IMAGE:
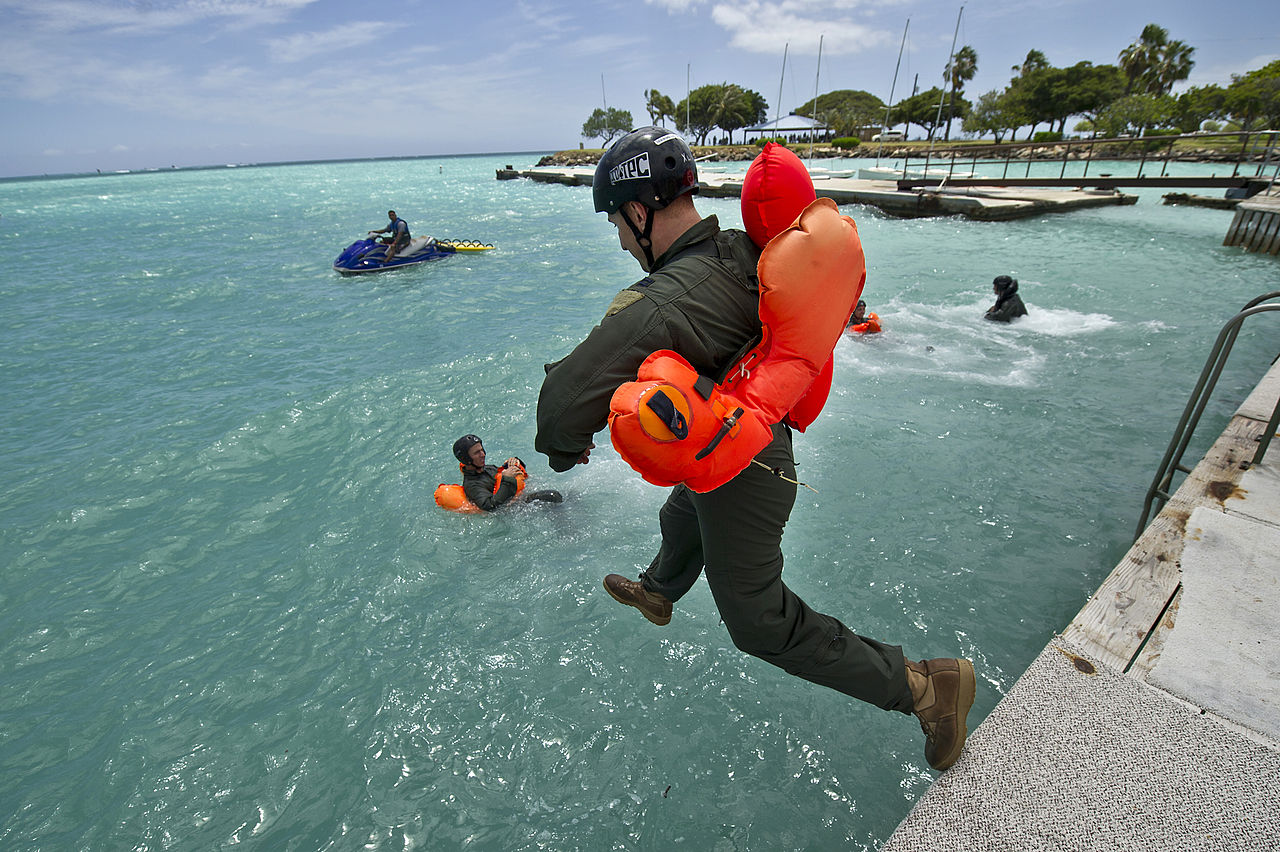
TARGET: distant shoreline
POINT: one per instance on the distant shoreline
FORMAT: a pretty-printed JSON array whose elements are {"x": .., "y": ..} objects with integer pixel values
[
  {"x": 150, "y": 170},
  {"x": 910, "y": 150}
]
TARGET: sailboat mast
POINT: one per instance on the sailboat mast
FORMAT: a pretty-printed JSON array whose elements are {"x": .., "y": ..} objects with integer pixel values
[
  {"x": 951, "y": 57},
  {"x": 781, "y": 77},
  {"x": 814, "y": 117},
  {"x": 688, "y": 75},
  {"x": 894, "y": 85}
]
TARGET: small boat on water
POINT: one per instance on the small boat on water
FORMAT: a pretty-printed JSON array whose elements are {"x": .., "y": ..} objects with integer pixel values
[
  {"x": 369, "y": 255},
  {"x": 887, "y": 173},
  {"x": 819, "y": 173}
]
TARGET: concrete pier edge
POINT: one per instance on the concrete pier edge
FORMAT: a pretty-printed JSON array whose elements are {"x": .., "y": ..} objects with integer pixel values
[
  {"x": 1153, "y": 720},
  {"x": 983, "y": 204}
]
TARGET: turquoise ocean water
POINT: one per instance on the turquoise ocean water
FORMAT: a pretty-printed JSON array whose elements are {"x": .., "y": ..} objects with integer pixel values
[{"x": 231, "y": 614}]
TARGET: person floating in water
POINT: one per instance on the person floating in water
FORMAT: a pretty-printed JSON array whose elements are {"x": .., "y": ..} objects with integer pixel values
[
  {"x": 397, "y": 231},
  {"x": 861, "y": 322},
  {"x": 700, "y": 298},
  {"x": 1008, "y": 303},
  {"x": 489, "y": 486}
]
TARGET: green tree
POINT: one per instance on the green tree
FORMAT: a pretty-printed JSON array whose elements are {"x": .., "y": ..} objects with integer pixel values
[
  {"x": 738, "y": 107},
  {"x": 724, "y": 105},
  {"x": 1136, "y": 113},
  {"x": 846, "y": 111},
  {"x": 607, "y": 124},
  {"x": 659, "y": 106},
  {"x": 960, "y": 70},
  {"x": 696, "y": 114},
  {"x": 1153, "y": 63},
  {"x": 991, "y": 114},
  {"x": 1029, "y": 99},
  {"x": 1035, "y": 61},
  {"x": 923, "y": 109},
  {"x": 1197, "y": 105},
  {"x": 1084, "y": 89},
  {"x": 1253, "y": 99}
]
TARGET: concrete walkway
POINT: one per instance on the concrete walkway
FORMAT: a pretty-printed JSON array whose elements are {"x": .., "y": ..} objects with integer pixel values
[
  {"x": 1153, "y": 721},
  {"x": 985, "y": 203}
]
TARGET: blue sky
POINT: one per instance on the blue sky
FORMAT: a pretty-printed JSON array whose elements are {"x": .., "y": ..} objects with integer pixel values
[{"x": 107, "y": 84}]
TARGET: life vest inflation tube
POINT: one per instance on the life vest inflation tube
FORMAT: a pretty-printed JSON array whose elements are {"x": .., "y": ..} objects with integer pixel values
[
  {"x": 673, "y": 425},
  {"x": 454, "y": 498}
]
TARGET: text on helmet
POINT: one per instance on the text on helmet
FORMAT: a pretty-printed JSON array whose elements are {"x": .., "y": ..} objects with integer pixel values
[{"x": 636, "y": 167}]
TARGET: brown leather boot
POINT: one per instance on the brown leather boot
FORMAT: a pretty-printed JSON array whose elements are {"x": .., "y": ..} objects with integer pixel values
[
  {"x": 943, "y": 693},
  {"x": 652, "y": 605}
]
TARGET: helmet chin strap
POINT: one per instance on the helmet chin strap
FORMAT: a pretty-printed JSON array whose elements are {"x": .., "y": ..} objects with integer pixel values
[{"x": 643, "y": 238}]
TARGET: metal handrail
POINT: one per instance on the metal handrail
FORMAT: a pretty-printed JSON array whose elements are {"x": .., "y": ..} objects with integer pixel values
[
  {"x": 1161, "y": 485},
  {"x": 1264, "y": 143}
]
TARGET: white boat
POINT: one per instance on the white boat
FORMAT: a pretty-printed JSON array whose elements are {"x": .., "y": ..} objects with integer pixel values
[
  {"x": 819, "y": 173},
  {"x": 886, "y": 173}
]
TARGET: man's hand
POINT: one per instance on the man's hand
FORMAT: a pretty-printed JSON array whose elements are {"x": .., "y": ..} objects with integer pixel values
[{"x": 586, "y": 454}]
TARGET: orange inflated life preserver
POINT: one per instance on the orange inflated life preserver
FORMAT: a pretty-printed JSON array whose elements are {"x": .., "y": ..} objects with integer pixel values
[
  {"x": 673, "y": 425},
  {"x": 776, "y": 189},
  {"x": 871, "y": 326},
  {"x": 454, "y": 498}
]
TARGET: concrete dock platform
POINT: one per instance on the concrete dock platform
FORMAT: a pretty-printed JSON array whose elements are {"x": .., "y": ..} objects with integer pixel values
[
  {"x": 981, "y": 203},
  {"x": 1153, "y": 720}
]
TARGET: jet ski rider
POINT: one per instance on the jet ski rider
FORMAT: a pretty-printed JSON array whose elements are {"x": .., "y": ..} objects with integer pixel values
[{"x": 399, "y": 234}]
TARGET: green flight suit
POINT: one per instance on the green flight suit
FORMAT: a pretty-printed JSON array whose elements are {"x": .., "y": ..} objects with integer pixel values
[{"x": 701, "y": 299}]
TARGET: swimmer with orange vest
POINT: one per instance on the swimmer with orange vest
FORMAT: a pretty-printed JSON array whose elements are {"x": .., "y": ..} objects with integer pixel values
[
  {"x": 485, "y": 487},
  {"x": 701, "y": 370},
  {"x": 860, "y": 322}
]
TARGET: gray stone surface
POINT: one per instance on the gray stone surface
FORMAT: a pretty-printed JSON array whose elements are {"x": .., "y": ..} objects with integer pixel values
[{"x": 1077, "y": 761}]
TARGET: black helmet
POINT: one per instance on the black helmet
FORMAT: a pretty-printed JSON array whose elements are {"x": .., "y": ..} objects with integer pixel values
[
  {"x": 651, "y": 165},
  {"x": 1004, "y": 282},
  {"x": 463, "y": 445}
]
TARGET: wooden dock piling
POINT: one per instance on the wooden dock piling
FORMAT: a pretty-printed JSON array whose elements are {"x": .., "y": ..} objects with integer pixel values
[{"x": 1256, "y": 225}]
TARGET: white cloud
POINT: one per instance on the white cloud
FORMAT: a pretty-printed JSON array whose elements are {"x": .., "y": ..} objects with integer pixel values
[
  {"x": 675, "y": 5},
  {"x": 765, "y": 27},
  {"x": 155, "y": 16},
  {"x": 300, "y": 46}
]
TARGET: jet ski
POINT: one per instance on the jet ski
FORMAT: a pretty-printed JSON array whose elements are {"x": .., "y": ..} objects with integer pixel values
[{"x": 369, "y": 255}]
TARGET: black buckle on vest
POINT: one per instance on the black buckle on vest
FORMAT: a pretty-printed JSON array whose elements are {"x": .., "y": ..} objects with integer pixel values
[{"x": 660, "y": 404}]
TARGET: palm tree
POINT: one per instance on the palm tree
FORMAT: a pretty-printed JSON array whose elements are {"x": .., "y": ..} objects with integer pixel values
[
  {"x": 1153, "y": 64},
  {"x": 1137, "y": 58},
  {"x": 1035, "y": 61},
  {"x": 960, "y": 70},
  {"x": 659, "y": 106},
  {"x": 1173, "y": 66}
]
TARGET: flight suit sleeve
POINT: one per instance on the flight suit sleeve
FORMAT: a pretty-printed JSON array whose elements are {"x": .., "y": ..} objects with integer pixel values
[
  {"x": 574, "y": 402},
  {"x": 479, "y": 490}
]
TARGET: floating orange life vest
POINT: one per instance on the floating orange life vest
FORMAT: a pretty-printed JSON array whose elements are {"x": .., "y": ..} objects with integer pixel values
[
  {"x": 454, "y": 498},
  {"x": 672, "y": 425},
  {"x": 870, "y": 325}
]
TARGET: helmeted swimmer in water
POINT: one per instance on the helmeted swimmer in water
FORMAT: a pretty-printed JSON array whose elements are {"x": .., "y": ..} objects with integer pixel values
[
  {"x": 862, "y": 322},
  {"x": 1008, "y": 303},
  {"x": 488, "y": 486}
]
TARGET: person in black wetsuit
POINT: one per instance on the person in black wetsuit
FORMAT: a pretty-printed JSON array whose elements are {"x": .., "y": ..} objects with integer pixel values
[
  {"x": 480, "y": 481},
  {"x": 1008, "y": 303}
]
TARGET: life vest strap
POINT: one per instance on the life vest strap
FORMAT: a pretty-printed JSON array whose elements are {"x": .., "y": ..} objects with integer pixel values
[{"x": 726, "y": 427}]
